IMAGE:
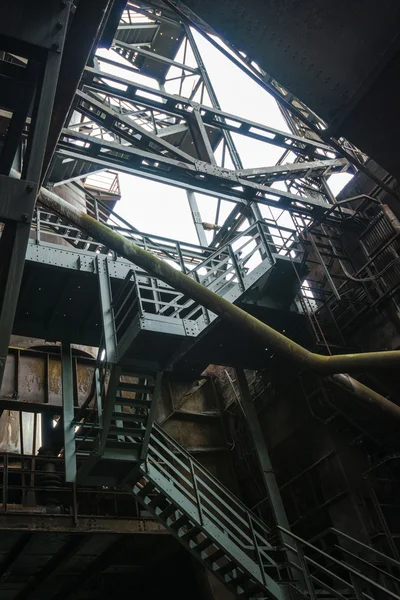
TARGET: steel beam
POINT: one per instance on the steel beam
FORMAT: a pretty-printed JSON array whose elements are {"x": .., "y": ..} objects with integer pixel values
[
  {"x": 84, "y": 31},
  {"x": 107, "y": 312},
  {"x": 286, "y": 100},
  {"x": 124, "y": 127},
  {"x": 200, "y": 137},
  {"x": 68, "y": 411},
  {"x": 153, "y": 56},
  {"x": 65, "y": 524},
  {"x": 19, "y": 116},
  {"x": 213, "y": 116},
  {"x": 317, "y": 168},
  {"x": 196, "y": 216},
  {"x": 202, "y": 177}
]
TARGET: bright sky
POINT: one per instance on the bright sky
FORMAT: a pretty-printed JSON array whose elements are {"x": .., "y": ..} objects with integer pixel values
[{"x": 163, "y": 210}]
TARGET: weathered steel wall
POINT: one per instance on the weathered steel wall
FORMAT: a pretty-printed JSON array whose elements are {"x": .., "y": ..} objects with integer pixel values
[
  {"x": 34, "y": 376},
  {"x": 340, "y": 58}
]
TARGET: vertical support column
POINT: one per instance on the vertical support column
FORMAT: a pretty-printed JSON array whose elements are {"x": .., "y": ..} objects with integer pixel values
[
  {"x": 68, "y": 412},
  {"x": 271, "y": 485},
  {"x": 268, "y": 475},
  {"x": 14, "y": 240},
  {"x": 12, "y": 251},
  {"x": 107, "y": 313},
  {"x": 194, "y": 209}
]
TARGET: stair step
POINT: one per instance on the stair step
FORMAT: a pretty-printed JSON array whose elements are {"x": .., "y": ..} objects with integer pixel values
[
  {"x": 142, "y": 388},
  {"x": 132, "y": 432},
  {"x": 180, "y": 522},
  {"x": 203, "y": 545},
  {"x": 131, "y": 417},
  {"x": 240, "y": 579},
  {"x": 189, "y": 535},
  {"x": 250, "y": 587},
  {"x": 168, "y": 511},
  {"x": 227, "y": 568},
  {"x": 88, "y": 426},
  {"x": 140, "y": 373},
  {"x": 116, "y": 445},
  {"x": 134, "y": 402},
  {"x": 155, "y": 501},
  {"x": 212, "y": 558},
  {"x": 146, "y": 490}
]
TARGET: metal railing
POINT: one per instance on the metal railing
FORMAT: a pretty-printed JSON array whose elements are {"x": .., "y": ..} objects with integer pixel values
[
  {"x": 324, "y": 571},
  {"x": 35, "y": 484},
  {"x": 332, "y": 301},
  {"x": 103, "y": 182},
  {"x": 347, "y": 567},
  {"x": 216, "y": 507}
]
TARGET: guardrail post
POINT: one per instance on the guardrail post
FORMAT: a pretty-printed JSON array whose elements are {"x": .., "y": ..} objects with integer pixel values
[
  {"x": 306, "y": 573},
  {"x": 256, "y": 548},
  {"x": 196, "y": 492},
  {"x": 107, "y": 314},
  {"x": 236, "y": 267}
]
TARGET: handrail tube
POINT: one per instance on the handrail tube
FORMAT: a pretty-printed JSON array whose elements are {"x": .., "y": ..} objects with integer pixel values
[
  {"x": 384, "y": 557},
  {"x": 340, "y": 563},
  {"x": 370, "y": 565},
  {"x": 327, "y": 572},
  {"x": 157, "y": 430},
  {"x": 327, "y": 365}
]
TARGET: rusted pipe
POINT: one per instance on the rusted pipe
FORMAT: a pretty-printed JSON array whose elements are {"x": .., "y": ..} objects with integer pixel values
[
  {"x": 326, "y": 365},
  {"x": 367, "y": 396}
]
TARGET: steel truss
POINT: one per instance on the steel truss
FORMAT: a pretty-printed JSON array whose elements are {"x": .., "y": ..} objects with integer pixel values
[{"x": 185, "y": 139}]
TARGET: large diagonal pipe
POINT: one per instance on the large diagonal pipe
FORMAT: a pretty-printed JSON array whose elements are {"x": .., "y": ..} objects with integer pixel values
[{"x": 325, "y": 365}]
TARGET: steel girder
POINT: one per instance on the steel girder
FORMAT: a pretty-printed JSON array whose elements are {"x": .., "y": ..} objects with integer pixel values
[
  {"x": 200, "y": 176},
  {"x": 183, "y": 107}
]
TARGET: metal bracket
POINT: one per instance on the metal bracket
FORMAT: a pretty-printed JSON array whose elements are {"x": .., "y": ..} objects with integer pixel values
[{"x": 17, "y": 199}]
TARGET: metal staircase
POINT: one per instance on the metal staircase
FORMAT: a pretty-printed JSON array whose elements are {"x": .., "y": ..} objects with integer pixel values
[
  {"x": 113, "y": 435},
  {"x": 230, "y": 541}
]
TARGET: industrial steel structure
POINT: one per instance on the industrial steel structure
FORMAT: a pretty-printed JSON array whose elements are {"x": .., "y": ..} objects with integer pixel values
[{"x": 224, "y": 413}]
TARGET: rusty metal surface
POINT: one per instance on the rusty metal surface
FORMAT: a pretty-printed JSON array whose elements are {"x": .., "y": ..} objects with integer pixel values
[
  {"x": 35, "y": 376},
  {"x": 66, "y": 524}
]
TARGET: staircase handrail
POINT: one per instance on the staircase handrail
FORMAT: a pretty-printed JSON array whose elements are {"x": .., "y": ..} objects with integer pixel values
[{"x": 354, "y": 575}]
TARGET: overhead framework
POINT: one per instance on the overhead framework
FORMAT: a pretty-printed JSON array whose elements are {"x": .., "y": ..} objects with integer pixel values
[
  {"x": 321, "y": 91},
  {"x": 179, "y": 135},
  {"x": 297, "y": 270}
]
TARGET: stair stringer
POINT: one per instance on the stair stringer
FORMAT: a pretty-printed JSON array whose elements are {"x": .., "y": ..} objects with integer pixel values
[{"x": 258, "y": 582}]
